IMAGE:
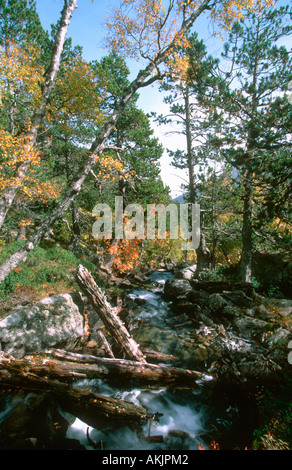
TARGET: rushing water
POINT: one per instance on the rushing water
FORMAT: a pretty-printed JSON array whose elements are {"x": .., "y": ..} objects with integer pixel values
[
  {"x": 188, "y": 418},
  {"x": 182, "y": 420},
  {"x": 179, "y": 426}
]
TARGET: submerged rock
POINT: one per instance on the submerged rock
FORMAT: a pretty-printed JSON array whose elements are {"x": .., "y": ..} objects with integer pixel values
[{"x": 33, "y": 422}]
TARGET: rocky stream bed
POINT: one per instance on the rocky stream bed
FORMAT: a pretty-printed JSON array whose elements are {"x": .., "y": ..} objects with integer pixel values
[{"x": 232, "y": 337}]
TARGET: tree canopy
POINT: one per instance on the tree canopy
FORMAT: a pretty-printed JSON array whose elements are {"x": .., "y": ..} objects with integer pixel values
[{"x": 72, "y": 134}]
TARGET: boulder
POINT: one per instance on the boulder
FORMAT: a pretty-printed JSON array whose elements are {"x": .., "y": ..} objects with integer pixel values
[
  {"x": 250, "y": 328},
  {"x": 280, "y": 337},
  {"x": 238, "y": 297},
  {"x": 219, "y": 307},
  {"x": 225, "y": 286},
  {"x": 187, "y": 273},
  {"x": 239, "y": 328},
  {"x": 282, "y": 306},
  {"x": 177, "y": 288},
  {"x": 56, "y": 321}
]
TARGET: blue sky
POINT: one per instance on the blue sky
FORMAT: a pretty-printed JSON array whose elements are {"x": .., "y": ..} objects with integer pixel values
[
  {"x": 86, "y": 27},
  {"x": 87, "y": 30}
]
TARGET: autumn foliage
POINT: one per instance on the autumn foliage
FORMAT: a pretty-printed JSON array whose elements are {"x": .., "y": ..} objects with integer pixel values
[{"x": 70, "y": 131}]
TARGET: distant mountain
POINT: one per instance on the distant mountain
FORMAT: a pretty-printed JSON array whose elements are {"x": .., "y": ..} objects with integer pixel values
[{"x": 179, "y": 199}]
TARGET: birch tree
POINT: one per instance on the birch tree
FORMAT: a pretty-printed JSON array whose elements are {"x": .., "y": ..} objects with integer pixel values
[
  {"x": 148, "y": 30},
  {"x": 9, "y": 193}
]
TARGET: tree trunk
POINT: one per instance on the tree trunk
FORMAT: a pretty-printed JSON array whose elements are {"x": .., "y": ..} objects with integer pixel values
[
  {"x": 152, "y": 357},
  {"x": 76, "y": 230},
  {"x": 246, "y": 254},
  {"x": 107, "y": 348},
  {"x": 203, "y": 252},
  {"x": 190, "y": 155},
  {"x": 222, "y": 286},
  {"x": 9, "y": 194},
  {"x": 94, "y": 409},
  {"x": 70, "y": 366},
  {"x": 142, "y": 80},
  {"x": 112, "y": 322},
  {"x": 214, "y": 231},
  {"x": 252, "y": 136}
]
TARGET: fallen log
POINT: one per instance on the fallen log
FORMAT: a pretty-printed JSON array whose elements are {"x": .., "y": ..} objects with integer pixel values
[
  {"x": 94, "y": 409},
  {"x": 124, "y": 371},
  {"x": 68, "y": 367},
  {"x": 156, "y": 357},
  {"x": 112, "y": 322},
  {"x": 106, "y": 345},
  {"x": 153, "y": 357}
]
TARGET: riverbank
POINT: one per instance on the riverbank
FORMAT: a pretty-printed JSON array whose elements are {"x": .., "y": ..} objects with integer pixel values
[{"x": 227, "y": 334}]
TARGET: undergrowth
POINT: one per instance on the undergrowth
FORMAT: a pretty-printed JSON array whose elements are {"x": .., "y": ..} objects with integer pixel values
[
  {"x": 46, "y": 269},
  {"x": 276, "y": 431}
]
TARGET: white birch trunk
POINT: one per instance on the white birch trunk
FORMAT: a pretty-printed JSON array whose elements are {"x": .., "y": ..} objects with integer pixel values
[
  {"x": 10, "y": 193},
  {"x": 144, "y": 78}
]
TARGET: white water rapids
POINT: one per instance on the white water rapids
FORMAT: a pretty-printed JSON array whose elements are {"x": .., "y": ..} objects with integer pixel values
[
  {"x": 186, "y": 420},
  {"x": 182, "y": 419}
]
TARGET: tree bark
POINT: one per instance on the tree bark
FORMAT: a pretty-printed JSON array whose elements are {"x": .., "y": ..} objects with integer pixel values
[
  {"x": 247, "y": 244},
  {"x": 69, "y": 366},
  {"x": 202, "y": 252},
  {"x": 94, "y": 409},
  {"x": 112, "y": 322},
  {"x": 142, "y": 80},
  {"x": 10, "y": 193},
  {"x": 152, "y": 357},
  {"x": 190, "y": 152},
  {"x": 106, "y": 345},
  {"x": 155, "y": 357},
  {"x": 56, "y": 377},
  {"x": 222, "y": 286}
]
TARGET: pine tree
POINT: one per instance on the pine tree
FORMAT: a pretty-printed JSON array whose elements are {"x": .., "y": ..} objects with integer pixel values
[
  {"x": 187, "y": 104},
  {"x": 19, "y": 22},
  {"x": 169, "y": 26},
  {"x": 139, "y": 151},
  {"x": 259, "y": 118}
]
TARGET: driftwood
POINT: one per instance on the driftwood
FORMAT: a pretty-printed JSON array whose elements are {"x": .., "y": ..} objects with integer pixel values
[
  {"x": 155, "y": 357},
  {"x": 152, "y": 357},
  {"x": 56, "y": 371},
  {"x": 94, "y": 409},
  {"x": 57, "y": 377},
  {"x": 135, "y": 368},
  {"x": 119, "y": 371},
  {"x": 107, "y": 348},
  {"x": 68, "y": 367},
  {"x": 112, "y": 322}
]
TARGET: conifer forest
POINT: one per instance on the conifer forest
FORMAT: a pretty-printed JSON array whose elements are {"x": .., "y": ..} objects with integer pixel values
[{"x": 99, "y": 280}]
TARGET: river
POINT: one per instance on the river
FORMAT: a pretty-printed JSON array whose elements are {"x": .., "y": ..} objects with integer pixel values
[{"x": 186, "y": 420}]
